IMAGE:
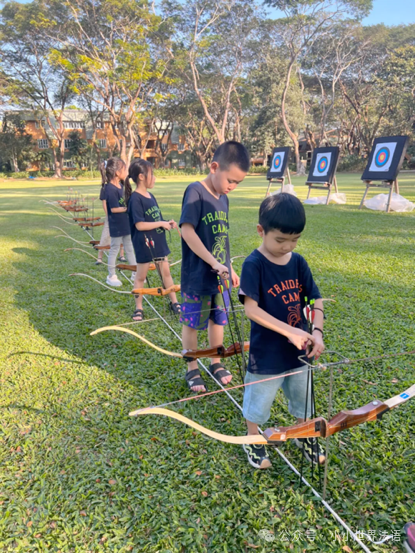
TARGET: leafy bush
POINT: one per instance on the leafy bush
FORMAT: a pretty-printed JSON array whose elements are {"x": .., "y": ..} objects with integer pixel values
[
  {"x": 258, "y": 169},
  {"x": 172, "y": 172},
  {"x": 351, "y": 163},
  {"x": 410, "y": 164}
]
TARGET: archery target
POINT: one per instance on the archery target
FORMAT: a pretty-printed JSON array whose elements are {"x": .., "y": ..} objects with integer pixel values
[
  {"x": 277, "y": 161},
  {"x": 382, "y": 157},
  {"x": 322, "y": 164}
]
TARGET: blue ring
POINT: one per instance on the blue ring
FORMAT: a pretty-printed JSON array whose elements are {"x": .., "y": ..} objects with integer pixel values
[
  {"x": 277, "y": 158},
  {"x": 387, "y": 153},
  {"x": 319, "y": 169}
]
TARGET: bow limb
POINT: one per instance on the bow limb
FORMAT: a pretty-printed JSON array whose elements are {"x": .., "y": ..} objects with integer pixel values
[
  {"x": 128, "y": 331},
  {"x": 70, "y": 237},
  {"x": 81, "y": 250},
  {"x": 100, "y": 283},
  {"x": 64, "y": 217},
  {"x": 253, "y": 439},
  {"x": 175, "y": 263}
]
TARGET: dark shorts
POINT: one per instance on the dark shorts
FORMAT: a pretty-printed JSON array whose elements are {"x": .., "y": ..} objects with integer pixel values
[{"x": 196, "y": 311}]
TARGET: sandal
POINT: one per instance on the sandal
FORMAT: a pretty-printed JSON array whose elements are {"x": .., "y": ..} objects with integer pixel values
[
  {"x": 176, "y": 308},
  {"x": 140, "y": 314},
  {"x": 122, "y": 258},
  {"x": 193, "y": 378},
  {"x": 218, "y": 371}
]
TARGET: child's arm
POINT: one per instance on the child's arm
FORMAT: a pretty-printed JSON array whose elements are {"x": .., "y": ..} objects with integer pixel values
[
  {"x": 196, "y": 245},
  {"x": 298, "y": 337},
  {"x": 142, "y": 226},
  {"x": 118, "y": 210}
]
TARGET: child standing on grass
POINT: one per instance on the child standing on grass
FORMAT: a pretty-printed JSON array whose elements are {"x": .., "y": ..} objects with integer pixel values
[
  {"x": 105, "y": 235},
  {"x": 205, "y": 255},
  {"x": 148, "y": 232},
  {"x": 119, "y": 225},
  {"x": 274, "y": 283}
]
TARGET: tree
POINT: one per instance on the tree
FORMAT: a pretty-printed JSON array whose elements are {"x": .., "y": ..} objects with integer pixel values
[
  {"x": 78, "y": 148},
  {"x": 25, "y": 52},
  {"x": 16, "y": 145},
  {"x": 306, "y": 22},
  {"x": 111, "y": 52},
  {"x": 212, "y": 51}
]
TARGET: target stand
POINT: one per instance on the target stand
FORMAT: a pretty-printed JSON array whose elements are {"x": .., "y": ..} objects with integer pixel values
[
  {"x": 278, "y": 170},
  {"x": 385, "y": 162},
  {"x": 322, "y": 174}
]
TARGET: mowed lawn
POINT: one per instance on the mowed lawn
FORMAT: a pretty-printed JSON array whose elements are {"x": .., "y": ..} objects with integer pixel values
[{"x": 78, "y": 475}]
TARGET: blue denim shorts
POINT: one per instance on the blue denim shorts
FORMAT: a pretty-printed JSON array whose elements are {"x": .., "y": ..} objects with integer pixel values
[{"x": 258, "y": 398}]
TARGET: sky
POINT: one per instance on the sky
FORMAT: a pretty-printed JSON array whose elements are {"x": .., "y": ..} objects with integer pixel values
[{"x": 389, "y": 12}]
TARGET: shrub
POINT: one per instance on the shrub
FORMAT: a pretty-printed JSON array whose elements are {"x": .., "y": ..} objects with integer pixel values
[
  {"x": 173, "y": 172},
  {"x": 351, "y": 163},
  {"x": 258, "y": 169}
]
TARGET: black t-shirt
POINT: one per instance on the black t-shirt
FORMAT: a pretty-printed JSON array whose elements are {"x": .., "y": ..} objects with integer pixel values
[
  {"x": 118, "y": 222},
  {"x": 102, "y": 193},
  {"x": 280, "y": 291},
  {"x": 142, "y": 209},
  {"x": 209, "y": 217}
]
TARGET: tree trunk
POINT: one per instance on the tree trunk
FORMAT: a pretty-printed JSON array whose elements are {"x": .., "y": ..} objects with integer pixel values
[
  {"x": 300, "y": 167},
  {"x": 57, "y": 161},
  {"x": 15, "y": 164}
]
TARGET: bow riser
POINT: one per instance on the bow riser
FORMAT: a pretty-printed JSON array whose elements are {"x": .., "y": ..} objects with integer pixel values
[
  {"x": 75, "y": 209},
  {"x": 347, "y": 419},
  {"x": 90, "y": 225},
  {"x": 219, "y": 351},
  {"x": 314, "y": 428},
  {"x": 133, "y": 268},
  {"x": 156, "y": 291}
]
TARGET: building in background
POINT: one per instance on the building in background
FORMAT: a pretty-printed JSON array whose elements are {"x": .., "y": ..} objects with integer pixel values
[{"x": 158, "y": 147}]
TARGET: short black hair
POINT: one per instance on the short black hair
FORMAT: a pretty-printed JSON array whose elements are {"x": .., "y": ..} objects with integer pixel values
[
  {"x": 283, "y": 212},
  {"x": 232, "y": 153}
]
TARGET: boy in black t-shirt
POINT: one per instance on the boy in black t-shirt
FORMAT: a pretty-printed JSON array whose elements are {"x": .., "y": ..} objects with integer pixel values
[
  {"x": 274, "y": 283},
  {"x": 205, "y": 255}
]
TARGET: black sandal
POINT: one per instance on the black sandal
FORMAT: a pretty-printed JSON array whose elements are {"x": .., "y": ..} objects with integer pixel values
[
  {"x": 176, "y": 308},
  {"x": 140, "y": 314},
  {"x": 218, "y": 371},
  {"x": 193, "y": 378}
]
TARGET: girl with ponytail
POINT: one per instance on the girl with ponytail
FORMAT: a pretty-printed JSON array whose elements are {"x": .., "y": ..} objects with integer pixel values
[
  {"x": 105, "y": 235},
  {"x": 148, "y": 231},
  {"x": 119, "y": 225}
]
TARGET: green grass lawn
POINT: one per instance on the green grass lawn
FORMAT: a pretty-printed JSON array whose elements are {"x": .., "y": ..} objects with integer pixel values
[{"x": 78, "y": 475}]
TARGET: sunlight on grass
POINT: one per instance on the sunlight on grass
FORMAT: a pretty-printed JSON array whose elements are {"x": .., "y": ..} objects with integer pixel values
[{"x": 77, "y": 474}]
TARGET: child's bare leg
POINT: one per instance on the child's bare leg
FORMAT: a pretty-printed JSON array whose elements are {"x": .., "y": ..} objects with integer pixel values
[
  {"x": 252, "y": 427},
  {"x": 189, "y": 340},
  {"x": 140, "y": 276},
  {"x": 167, "y": 278},
  {"x": 215, "y": 334}
]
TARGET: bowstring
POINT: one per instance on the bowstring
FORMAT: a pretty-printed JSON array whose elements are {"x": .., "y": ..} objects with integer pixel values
[
  {"x": 292, "y": 467},
  {"x": 221, "y": 290}
]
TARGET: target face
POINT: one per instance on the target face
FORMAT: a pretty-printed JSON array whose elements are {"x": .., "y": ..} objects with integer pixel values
[
  {"x": 277, "y": 162},
  {"x": 322, "y": 165},
  {"x": 382, "y": 157}
]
